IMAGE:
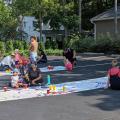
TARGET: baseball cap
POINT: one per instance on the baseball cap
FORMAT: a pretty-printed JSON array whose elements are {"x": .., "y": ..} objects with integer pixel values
[
  {"x": 16, "y": 70},
  {"x": 12, "y": 54}
]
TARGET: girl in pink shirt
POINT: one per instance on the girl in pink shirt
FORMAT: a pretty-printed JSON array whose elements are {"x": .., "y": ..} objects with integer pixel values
[
  {"x": 68, "y": 65},
  {"x": 114, "y": 76}
]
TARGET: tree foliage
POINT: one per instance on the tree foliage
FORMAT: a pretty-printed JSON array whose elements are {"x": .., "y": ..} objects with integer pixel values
[
  {"x": 8, "y": 22},
  {"x": 57, "y": 12}
]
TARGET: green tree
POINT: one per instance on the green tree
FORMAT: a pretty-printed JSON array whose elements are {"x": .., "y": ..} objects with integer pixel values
[
  {"x": 8, "y": 22},
  {"x": 63, "y": 13},
  {"x": 38, "y": 8},
  {"x": 91, "y": 8}
]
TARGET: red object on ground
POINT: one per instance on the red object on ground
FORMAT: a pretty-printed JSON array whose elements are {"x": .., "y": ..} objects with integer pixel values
[
  {"x": 5, "y": 89},
  {"x": 25, "y": 86},
  {"x": 50, "y": 67},
  {"x": 16, "y": 87},
  {"x": 48, "y": 91}
]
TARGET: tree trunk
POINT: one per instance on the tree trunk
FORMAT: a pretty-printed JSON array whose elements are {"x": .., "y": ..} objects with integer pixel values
[
  {"x": 21, "y": 26},
  {"x": 66, "y": 33},
  {"x": 65, "y": 27},
  {"x": 40, "y": 22},
  {"x": 116, "y": 19},
  {"x": 80, "y": 15}
]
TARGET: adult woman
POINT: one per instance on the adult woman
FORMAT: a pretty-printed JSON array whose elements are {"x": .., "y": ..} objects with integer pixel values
[
  {"x": 33, "y": 49},
  {"x": 70, "y": 54},
  {"x": 34, "y": 75}
]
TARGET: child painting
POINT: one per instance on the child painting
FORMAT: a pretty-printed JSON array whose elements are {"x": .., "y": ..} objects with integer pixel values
[
  {"x": 15, "y": 79},
  {"x": 68, "y": 65}
]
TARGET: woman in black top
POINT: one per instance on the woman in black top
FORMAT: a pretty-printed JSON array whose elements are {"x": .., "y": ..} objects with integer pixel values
[
  {"x": 34, "y": 75},
  {"x": 42, "y": 57}
]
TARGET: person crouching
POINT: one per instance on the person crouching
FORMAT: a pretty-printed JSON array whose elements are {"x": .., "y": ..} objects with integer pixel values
[{"x": 34, "y": 76}]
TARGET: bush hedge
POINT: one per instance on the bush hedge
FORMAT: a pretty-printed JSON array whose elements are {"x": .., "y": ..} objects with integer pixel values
[
  {"x": 104, "y": 44},
  {"x": 55, "y": 52},
  {"x": 8, "y": 47}
]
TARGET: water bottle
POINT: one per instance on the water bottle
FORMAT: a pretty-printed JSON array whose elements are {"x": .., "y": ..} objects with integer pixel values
[{"x": 48, "y": 80}]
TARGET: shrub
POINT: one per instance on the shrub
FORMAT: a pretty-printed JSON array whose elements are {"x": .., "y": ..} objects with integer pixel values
[
  {"x": 56, "y": 52},
  {"x": 80, "y": 44},
  {"x": 17, "y": 44},
  {"x": 26, "y": 45},
  {"x": 51, "y": 44},
  {"x": 9, "y": 46},
  {"x": 102, "y": 44},
  {"x": 41, "y": 46},
  {"x": 2, "y": 47}
]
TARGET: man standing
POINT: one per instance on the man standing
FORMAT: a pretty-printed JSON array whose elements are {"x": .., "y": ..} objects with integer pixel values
[{"x": 33, "y": 49}]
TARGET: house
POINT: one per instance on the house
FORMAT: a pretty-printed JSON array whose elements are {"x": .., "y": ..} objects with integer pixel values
[
  {"x": 28, "y": 27},
  {"x": 8, "y": 2},
  {"x": 104, "y": 23}
]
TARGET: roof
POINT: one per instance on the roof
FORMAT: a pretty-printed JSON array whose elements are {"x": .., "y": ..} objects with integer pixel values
[{"x": 107, "y": 15}]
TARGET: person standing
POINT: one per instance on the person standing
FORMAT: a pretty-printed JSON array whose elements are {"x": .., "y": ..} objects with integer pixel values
[{"x": 33, "y": 49}]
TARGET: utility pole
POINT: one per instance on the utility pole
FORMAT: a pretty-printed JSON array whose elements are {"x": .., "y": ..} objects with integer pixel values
[
  {"x": 80, "y": 15},
  {"x": 115, "y": 19}
]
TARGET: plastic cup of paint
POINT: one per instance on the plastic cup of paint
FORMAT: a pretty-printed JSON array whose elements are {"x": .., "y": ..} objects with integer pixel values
[
  {"x": 54, "y": 88},
  {"x": 64, "y": 88},
  {"x": 25, "y": 86},
  {"x": 50, "y": 87},
  {"x": 48, "y": 91},
  {"x": 49, "y": 67}
]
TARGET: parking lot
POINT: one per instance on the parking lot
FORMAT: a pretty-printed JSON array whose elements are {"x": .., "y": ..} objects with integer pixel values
[{"x": 98, "y": 104}]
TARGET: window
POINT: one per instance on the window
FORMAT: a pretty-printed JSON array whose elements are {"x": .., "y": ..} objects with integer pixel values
[
  {"x": 34, "y": 23},
  {"x": 24, "y": 24}
]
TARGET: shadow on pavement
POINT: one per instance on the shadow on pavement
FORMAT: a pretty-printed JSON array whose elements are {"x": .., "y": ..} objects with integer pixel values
[{"x": 106, "y": 100}]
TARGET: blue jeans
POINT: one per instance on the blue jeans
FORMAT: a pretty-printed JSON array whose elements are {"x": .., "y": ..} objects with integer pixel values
[{"x": 33, "y": 57}]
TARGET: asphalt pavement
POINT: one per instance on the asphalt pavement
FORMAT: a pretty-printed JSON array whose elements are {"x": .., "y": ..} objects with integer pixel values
[{"x": 98, "y": 104}]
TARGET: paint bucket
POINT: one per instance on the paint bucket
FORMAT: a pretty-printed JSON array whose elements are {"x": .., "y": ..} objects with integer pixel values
[
  {"x": 25, "y": 86},
  {"x": 48, "y": 80},
  {"x": 48, "y": 91},
  {"x": 54, "y": 87},
  {"x": 64, "y": 88}
]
